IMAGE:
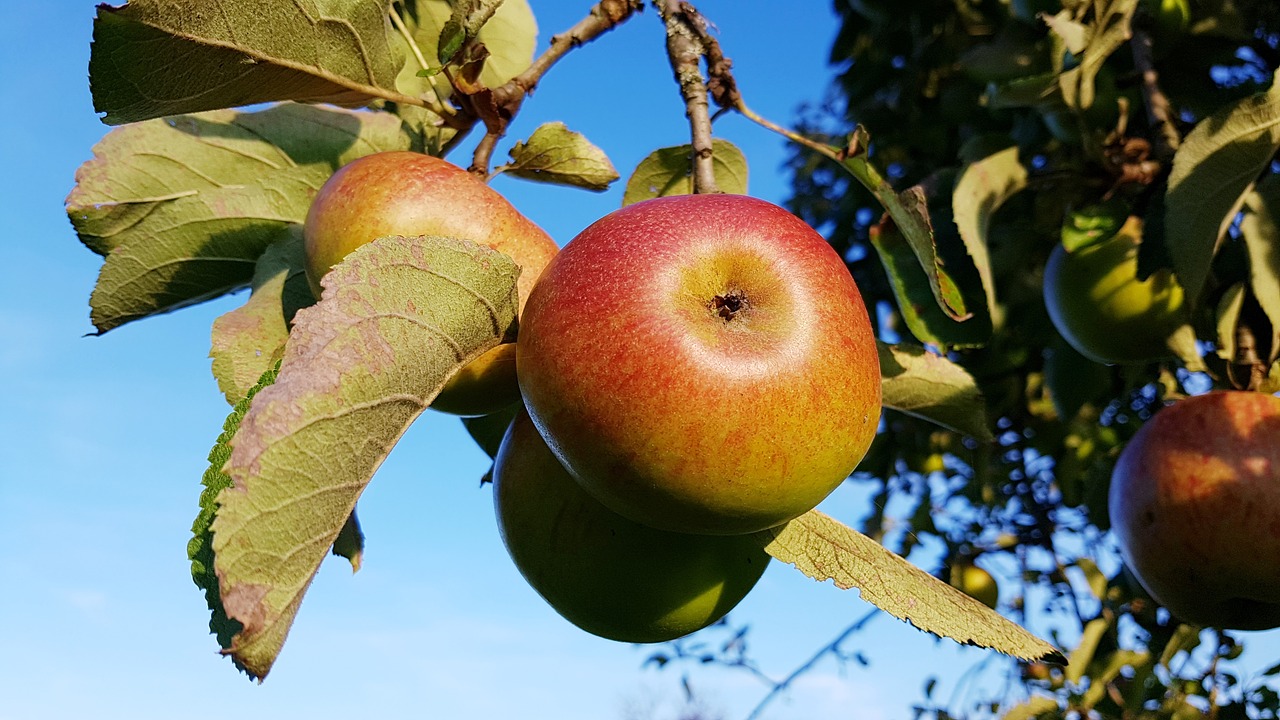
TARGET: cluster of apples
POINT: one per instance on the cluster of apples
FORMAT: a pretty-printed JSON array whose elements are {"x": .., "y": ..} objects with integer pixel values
[{"x": 693, "y": 370}]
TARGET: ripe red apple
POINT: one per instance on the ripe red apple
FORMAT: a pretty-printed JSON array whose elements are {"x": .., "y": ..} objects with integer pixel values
[
  {"x": 1103, "y": 310},
  {"x": 1195, "y": 505},
  {"x": 701, "y": 363},
  {"x": 408, "y": 193},
  {"x": 607, "y": 575}
]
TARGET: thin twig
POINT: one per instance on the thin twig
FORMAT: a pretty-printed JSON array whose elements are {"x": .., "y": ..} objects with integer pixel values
[
  {"x": 830, "y": 648},
  {"x": 685, "y": 51},
  {"x": 502, "y": 103},
  {"x": 1159, "y": 110}
]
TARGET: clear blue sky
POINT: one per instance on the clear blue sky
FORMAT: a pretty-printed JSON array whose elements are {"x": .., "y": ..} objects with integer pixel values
[{"x": 104, "y": 442}]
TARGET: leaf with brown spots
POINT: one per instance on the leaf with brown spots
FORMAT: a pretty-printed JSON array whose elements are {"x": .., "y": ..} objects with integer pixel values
[
  {"x": 825, "y": 549},
  {"x": 398, "y": 318}
]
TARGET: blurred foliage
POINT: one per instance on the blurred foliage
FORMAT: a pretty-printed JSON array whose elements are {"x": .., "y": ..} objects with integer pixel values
[{"x": 940, "y": 84}]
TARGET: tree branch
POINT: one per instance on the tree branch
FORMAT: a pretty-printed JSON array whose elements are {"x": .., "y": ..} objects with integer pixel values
[
  {"x": 832, "y": 647},
  {"x": 1165, "y": 140},
  {"x": 685, "y": 50},
  {"x": 498, "y": 106}
]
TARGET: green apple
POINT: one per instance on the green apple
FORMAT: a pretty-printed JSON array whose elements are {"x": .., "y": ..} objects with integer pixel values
[
  {"x": 701, "y": 364},
  {"x": 1195, "y": 505},
  {"x": 408, "y": 193},
  {"x": 607, "y": 575},
  {"x": 1103, "y": 310}
]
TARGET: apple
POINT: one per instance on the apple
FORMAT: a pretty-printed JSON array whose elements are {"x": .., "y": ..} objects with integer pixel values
[
  {"x": 1195, "y": 506},
  {"x": 1103, "y": 310},
  {"x": 607, "y": 575},
  {"x": 408, "y": 193},
  {"x": 701, "y": 364},
  {"x": 976, "y": 583}
]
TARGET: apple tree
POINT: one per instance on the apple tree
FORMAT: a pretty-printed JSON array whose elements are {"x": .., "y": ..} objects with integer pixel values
[{"x": 1061, "y": 214}]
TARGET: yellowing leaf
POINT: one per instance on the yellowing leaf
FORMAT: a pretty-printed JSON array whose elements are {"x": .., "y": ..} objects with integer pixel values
[
  {"x": 399, "y": 316},
  {"x": 668, "y": 171},
  {"x": 1260, "y": 229},
  {"x": 824, "y": 549},
  {"x": 556, "y": 154},
  {"x": 929, "y": 386},
  {"x": 248, "y": 340},
  {"x": 1214, "y": 167},
  {"x": 152, "y": 58}
]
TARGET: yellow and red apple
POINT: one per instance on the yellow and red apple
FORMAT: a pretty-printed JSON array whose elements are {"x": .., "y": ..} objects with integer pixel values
[
  {"x": 701, "y": 364},
  {"x": 408, "y": 193}
]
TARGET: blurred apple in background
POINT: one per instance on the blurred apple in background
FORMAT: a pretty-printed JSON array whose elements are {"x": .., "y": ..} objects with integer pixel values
[{"x": 1195, "y": 506}]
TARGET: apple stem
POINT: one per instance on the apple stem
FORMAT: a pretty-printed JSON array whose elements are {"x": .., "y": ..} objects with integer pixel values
[{"x": 686, "y": 29}]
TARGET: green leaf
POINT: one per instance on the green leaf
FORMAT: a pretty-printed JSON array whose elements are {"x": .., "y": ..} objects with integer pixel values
[
  {"x": 1214, "y": 167},
  {"x": 511, "y": 36},
  {"x": 1227, "y": 316},
  {"x": 1093, "y": 576},
  {"x": 152, "y": 58},
  {"x": 183, "y": 206},
  {"x": 1186, "y": 637},
  {"x": 1260, "y": 229},
  {"x": 1093, "y": 224},
  {"x": 825, "y": 549},
  {"x": 249, "y": 339},
  {"x": 929, "y": 386},
  {"x": 1116, "y": 662},
  {"x": 399, "y": 316},
  {"x": 200, "y": 547},
  {"x": 1073, "y": 379},
  {"x": 982, "y": 188},
  {"x": 556, "y": 154},
  {"x": 667, "y": 171},
  {"x": 1106, "y": 33},
  {"x": 350, "y": 542},
  {"x": 922, "y": 294}
]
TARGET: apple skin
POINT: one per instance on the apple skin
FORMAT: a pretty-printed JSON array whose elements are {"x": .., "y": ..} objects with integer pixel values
[
  {"x": 408, "y": 193},
  {"x": 607, "y": 575},
  {"x": 1102, "y": 309},
  {"x": 701, "y": 364},
  {"x": 1195, "y": 506}
]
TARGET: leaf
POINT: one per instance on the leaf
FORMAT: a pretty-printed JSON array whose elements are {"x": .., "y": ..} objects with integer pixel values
[
  {"x": 1227, "y": 316},
  {"x": 556, "y": 154},
  {"x": 1082, "y": 656},
  {"x": 350, "y": 542},
  {"x": 1093, "y": 576},
  {"x": 1031, "y": 708},
  {"x": 399, "y": 316},
  {"x": 1186, "y": 637},
  {"x": 931, "y": 387},
  {"x": 1116, "y": 663},
  {"x": 200, "y": 547},
  {"x": 511, "y": 36},
  {"x": 249, "y": 339},
  {"x": 908, "y": 220},
  {"x": 1260, "y": 229},
  {"x": 824, "y": 549},
  {"x": 667, "y": 172},
  {"x": 1073, "y": 379},
  {"x": 982, "y": 188},
  {"x": 152, "y": 58},
  {"x": 1107, "y": 33},
  {"x": 183, "y": 206},
  {"x": 1214, "y": 167}
]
